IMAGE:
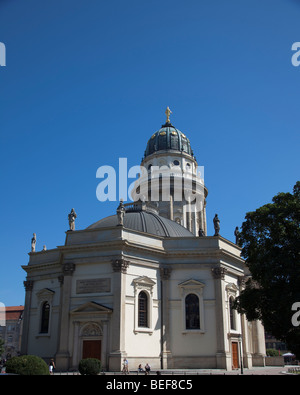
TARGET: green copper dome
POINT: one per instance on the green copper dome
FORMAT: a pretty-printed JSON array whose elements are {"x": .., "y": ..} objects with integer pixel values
[{"x": 168, "y": 138}]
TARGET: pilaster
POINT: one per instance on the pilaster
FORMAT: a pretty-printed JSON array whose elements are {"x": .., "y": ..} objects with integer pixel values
[
  {"x": 28, "y": 294},
  {"x": 118, "y": 317},
  {"x": 166, "y": 355},
  {"x": 258, "y": 357},
  {"x": 247, "y": 359},
  {"x": 223, "y": 356},
  {"x": 63, "y": 355}
]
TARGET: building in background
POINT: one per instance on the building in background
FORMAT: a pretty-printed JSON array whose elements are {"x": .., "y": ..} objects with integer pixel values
[
  {"x": 273, "y": 343},
  {"x": 11, "y": 333}
]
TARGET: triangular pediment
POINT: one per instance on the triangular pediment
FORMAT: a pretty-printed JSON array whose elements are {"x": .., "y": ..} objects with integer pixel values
[
  {"x": 144, "y": 280},
  {"x": 91, "y": 307},
  {"x": 191, "y": 283},
  {"x": 231, "y": 287},
  {"x": 45, "y": 294}
]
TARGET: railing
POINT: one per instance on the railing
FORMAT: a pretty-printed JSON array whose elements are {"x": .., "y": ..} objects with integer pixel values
[
  {"x": 133, "y": 207},
  {"x": 140, "y": 206}
]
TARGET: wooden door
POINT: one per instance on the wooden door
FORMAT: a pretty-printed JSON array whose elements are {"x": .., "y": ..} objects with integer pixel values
[
  {"x": 91, "y": 349},
  {"x": 235, "y": 355}
]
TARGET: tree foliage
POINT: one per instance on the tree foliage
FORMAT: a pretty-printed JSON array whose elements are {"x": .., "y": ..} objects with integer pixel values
[
  {"x": 27, "y": 365},
  {"x": 270, "y": 241},
  {"x": 89, "y": 366}
]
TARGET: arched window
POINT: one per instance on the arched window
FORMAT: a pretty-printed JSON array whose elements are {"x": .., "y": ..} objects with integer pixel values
[
  {"x": 143, "y": 310},
  {"x": 192, "y": 315},
  {"x": 45, "y": 317},
  {"x": 232, "y": 314}
]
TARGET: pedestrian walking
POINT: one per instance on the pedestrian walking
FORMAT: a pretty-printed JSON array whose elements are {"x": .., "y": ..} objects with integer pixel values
[{"x": 125, "y": 369}]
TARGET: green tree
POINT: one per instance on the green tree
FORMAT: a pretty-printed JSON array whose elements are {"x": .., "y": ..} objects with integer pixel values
[
  {"x": 272, "y": 353},
  {"x": 270, "y": 241},
  {"x": 27, "y": 365},
  {"x": 89, "y": 366}
]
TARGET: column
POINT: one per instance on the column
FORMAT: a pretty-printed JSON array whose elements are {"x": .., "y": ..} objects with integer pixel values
[
  {"x": 166, "y": 355},
  {"x": 184, "y": 221},
  {"x": 223, "y": 355},
  {"x": 76, "y": 357},
  {"x": 204, "y": 218},
  {"x": 247, "y": 359},
  {"x": 26, "y": 320},
  {"x": 118, "y": 316},
  {"x": 104, "y": 344},
  {"x": 171, "y": 208},
  {"x": 196, "y": 221},
  {"x": 63, "y": 354},
  {"x": 189, "y": 218},
  {"x": 258, "y": 357}
]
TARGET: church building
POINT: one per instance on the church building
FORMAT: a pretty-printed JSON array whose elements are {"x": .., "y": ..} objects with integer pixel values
[{"x": 147, "y": 283}]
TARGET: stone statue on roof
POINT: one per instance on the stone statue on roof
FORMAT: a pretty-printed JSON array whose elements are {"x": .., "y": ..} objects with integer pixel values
[
  {"x": 33, "y": 243},
  {"x": 216, "y": 225},
  {"x": 237, "y": 235},
  {"x": 71, "y": 217},
  {"x": 121, "y": 213}
]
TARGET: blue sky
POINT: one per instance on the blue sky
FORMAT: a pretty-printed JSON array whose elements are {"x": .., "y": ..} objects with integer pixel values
[{"x": 87, "y": 82}]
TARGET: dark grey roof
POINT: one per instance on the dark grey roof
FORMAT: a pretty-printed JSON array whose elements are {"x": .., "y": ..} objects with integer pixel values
[
  {"x": 168, "y": 138},
  {"x": 146, "y": 222}
]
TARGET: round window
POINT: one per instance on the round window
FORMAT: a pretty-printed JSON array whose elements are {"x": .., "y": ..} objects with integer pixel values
[{"x": 176, "y": 162}]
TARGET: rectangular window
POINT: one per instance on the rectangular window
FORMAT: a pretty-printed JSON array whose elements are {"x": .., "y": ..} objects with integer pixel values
[{"x": 45, "y": 318}]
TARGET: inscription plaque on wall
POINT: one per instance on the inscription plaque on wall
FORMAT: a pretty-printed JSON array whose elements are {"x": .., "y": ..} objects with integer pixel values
[{"x": 94, "y": 285}]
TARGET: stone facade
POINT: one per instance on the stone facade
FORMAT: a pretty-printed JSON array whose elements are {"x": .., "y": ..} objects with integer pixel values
[
  {"x": 142, "y": 284},
  {"x": 129, "y": 262}
]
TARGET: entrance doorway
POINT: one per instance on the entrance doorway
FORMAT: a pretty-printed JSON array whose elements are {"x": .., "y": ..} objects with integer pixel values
[
  {"x": 91, "y": 349},
  {"x": 235, "y": 355}
]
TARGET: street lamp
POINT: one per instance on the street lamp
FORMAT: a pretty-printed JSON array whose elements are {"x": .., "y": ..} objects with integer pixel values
[{"x": 241, "y": 358}]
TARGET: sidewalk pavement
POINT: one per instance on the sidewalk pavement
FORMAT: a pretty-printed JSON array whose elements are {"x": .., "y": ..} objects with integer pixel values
[{"x": 263, "y": 371}]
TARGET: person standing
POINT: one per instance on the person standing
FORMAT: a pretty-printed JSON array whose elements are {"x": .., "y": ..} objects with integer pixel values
[
  {"x": 51, "y": 366},
  {"x": 125, "y": 366}
]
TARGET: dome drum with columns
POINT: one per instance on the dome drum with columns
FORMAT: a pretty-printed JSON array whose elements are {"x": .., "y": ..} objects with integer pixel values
[
  {"x": 169, "y": 150},
  {"x": 141, "y": 285}
]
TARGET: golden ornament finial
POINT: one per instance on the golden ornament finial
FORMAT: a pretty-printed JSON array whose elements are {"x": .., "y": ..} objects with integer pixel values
[{"x": 168, "y": 112}]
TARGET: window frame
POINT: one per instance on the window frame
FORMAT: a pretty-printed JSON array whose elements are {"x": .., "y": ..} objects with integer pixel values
[
  {"x": 44, "y": 295},
  {"x": 45, "y": 318},
  {"x": 144, "y": 310},
  {"x": 196, "y": 287},
  {"x": 231, "y": 292},
  {"x": 146, "y": 285},
  {"x": 188, "y": 306},
  {"x": 232, "y": 315}
]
